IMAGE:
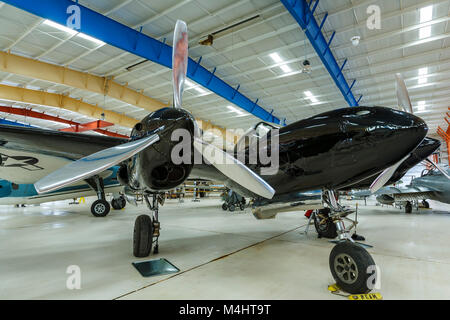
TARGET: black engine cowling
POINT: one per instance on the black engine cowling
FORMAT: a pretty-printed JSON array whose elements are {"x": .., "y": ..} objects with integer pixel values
[{"x": 153, "y": 169}]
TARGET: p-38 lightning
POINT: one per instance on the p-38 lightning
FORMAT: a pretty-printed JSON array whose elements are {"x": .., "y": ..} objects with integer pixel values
[{"x": 328, "y": 152}]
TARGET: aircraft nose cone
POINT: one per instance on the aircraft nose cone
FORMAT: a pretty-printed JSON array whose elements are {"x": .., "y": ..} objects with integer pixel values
[
  {"x": 389, "y": 135},
  {"x": 399, "y": 126}
]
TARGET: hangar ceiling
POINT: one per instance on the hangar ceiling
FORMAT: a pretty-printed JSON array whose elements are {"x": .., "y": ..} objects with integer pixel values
[{"x": 262, "y": 54}]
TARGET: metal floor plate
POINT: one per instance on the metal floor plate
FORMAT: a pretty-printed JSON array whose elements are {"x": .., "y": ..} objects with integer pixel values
[{"x": 154, "y": 268}]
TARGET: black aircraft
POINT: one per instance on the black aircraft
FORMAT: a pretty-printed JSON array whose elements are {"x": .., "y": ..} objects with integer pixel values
[{"x": 330, "y": 151}]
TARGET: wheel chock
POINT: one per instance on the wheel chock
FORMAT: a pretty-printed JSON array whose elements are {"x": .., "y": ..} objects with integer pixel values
[{"x": 335, "y": 289}]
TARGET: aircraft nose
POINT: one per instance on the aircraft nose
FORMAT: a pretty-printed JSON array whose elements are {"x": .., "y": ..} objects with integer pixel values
[
  {"x": 389, "y": 134},
  {"x": 401, "y": 127}
]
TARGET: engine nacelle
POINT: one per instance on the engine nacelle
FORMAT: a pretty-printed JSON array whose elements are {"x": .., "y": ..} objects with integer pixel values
[{"x": 153, "y": 169}]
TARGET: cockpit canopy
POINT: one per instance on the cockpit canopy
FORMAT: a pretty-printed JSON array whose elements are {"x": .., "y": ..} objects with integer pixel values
[{"x": 253, "y": 134}]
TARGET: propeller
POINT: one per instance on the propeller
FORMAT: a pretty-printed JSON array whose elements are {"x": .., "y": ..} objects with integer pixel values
[
  {"x": 384, "y": 177},
  {"x": 179, "y": 61},
  {"x": 221, "y": 160},
  {"x": 404, "y": 102},
  {"x": 102, "y": 160},
  {"x": 93, "y": 164},
  {"x": 402, "y": 94}
]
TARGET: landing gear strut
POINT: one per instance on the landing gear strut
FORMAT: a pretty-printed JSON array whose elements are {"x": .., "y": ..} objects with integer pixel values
[
  {"x": 147, "y": 229},
  {"x": 351, "y": 265},
  {"x": 101, "y": 207}
]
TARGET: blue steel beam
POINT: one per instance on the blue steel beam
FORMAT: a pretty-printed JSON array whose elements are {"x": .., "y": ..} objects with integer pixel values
[
  {"x": 118, "y": 35},
  {"x": 301, "y": 12}
]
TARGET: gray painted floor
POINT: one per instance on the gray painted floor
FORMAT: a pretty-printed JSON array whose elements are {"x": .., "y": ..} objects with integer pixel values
[{"x": 221, "y": 255}]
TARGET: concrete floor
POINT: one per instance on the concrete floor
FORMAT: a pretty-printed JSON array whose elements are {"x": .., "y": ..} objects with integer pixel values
[{"x": 220, "y": 255}]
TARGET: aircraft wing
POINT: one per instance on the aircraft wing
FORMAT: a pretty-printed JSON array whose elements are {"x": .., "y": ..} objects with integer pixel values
[
  {"x": 392, "y": 191},
  {"x": 30, "y": 154}
]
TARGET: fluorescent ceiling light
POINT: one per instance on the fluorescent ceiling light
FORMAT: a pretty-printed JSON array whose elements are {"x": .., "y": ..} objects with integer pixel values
[
  {"x": 426, "y": 14},
  {"x": 421, "y": 105},
  {"x": 59, "y": 27},
  {"x": 276, "y": 57},
  {"x": 422, "y": 80},
  {"x": 236, "y": 110},
  {"x": 311, "y": 97},
  {"x": 85, "y": 36},
  {"x": 286, "y": 68},
  {"x": 73, "y": 32},
  {"x": 425, "y": 32},
  {"x": 196, "y": 87},
  {"x": 200, "y": 90},
  {"x": 423, "y": 71}
]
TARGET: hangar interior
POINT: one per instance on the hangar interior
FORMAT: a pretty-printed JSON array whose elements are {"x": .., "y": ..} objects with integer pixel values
[{"x": 250, "y": 61}]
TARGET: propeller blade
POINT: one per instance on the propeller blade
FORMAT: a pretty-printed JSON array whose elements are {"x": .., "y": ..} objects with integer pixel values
[
  {"x": 92, "y": 164},
  {"x": 234, "y": 169},
  {"x": 402, "y": 94},
  {"x": 179, "y": 61},
  {"x": 384, "y": 177},
  {"x": 441, "y": 170}
]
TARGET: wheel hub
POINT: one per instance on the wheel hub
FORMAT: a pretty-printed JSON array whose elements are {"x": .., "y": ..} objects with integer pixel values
[
  {"x": 346, "y": 268},
  {"x": 100, "y": 208}
]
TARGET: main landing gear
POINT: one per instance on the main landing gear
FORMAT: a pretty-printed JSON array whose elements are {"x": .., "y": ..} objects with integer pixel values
[
  {"x": 118, "y": 203},
  {"x": 147, "y": 229},
  {"x": 101, "y": 207},
  {"x": 351, "y": 265}
]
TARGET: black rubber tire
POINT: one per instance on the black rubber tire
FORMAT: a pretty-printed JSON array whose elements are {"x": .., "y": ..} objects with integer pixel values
[
  {"x": 119, "y": 203},
  {"x": 242, "y": 207},
  {"x": 408, "y": 207},
  {"x": 362, "y": 260},
  {"x": 327, "y": 229},
  {"x": 143, "y": 236},
  {"x": 100, "y": 208},
  {"x": 115, "y": 204},
  {"x": 231, "y": 207},
  {"x": 224, "y": 207},
  {"x": 426, "y": 204}
]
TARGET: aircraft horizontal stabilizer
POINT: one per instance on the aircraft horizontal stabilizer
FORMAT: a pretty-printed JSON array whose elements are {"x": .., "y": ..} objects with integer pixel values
[{"x": 93, "y": 164}]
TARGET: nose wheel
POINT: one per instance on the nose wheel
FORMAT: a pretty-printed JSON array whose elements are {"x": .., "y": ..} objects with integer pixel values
[{"x": 352, "y": 268}]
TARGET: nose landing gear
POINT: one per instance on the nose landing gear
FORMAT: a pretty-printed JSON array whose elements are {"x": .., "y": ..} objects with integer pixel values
[
  {"x": 147, "y": 229},
  {"x": 352, "y": 267}
]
